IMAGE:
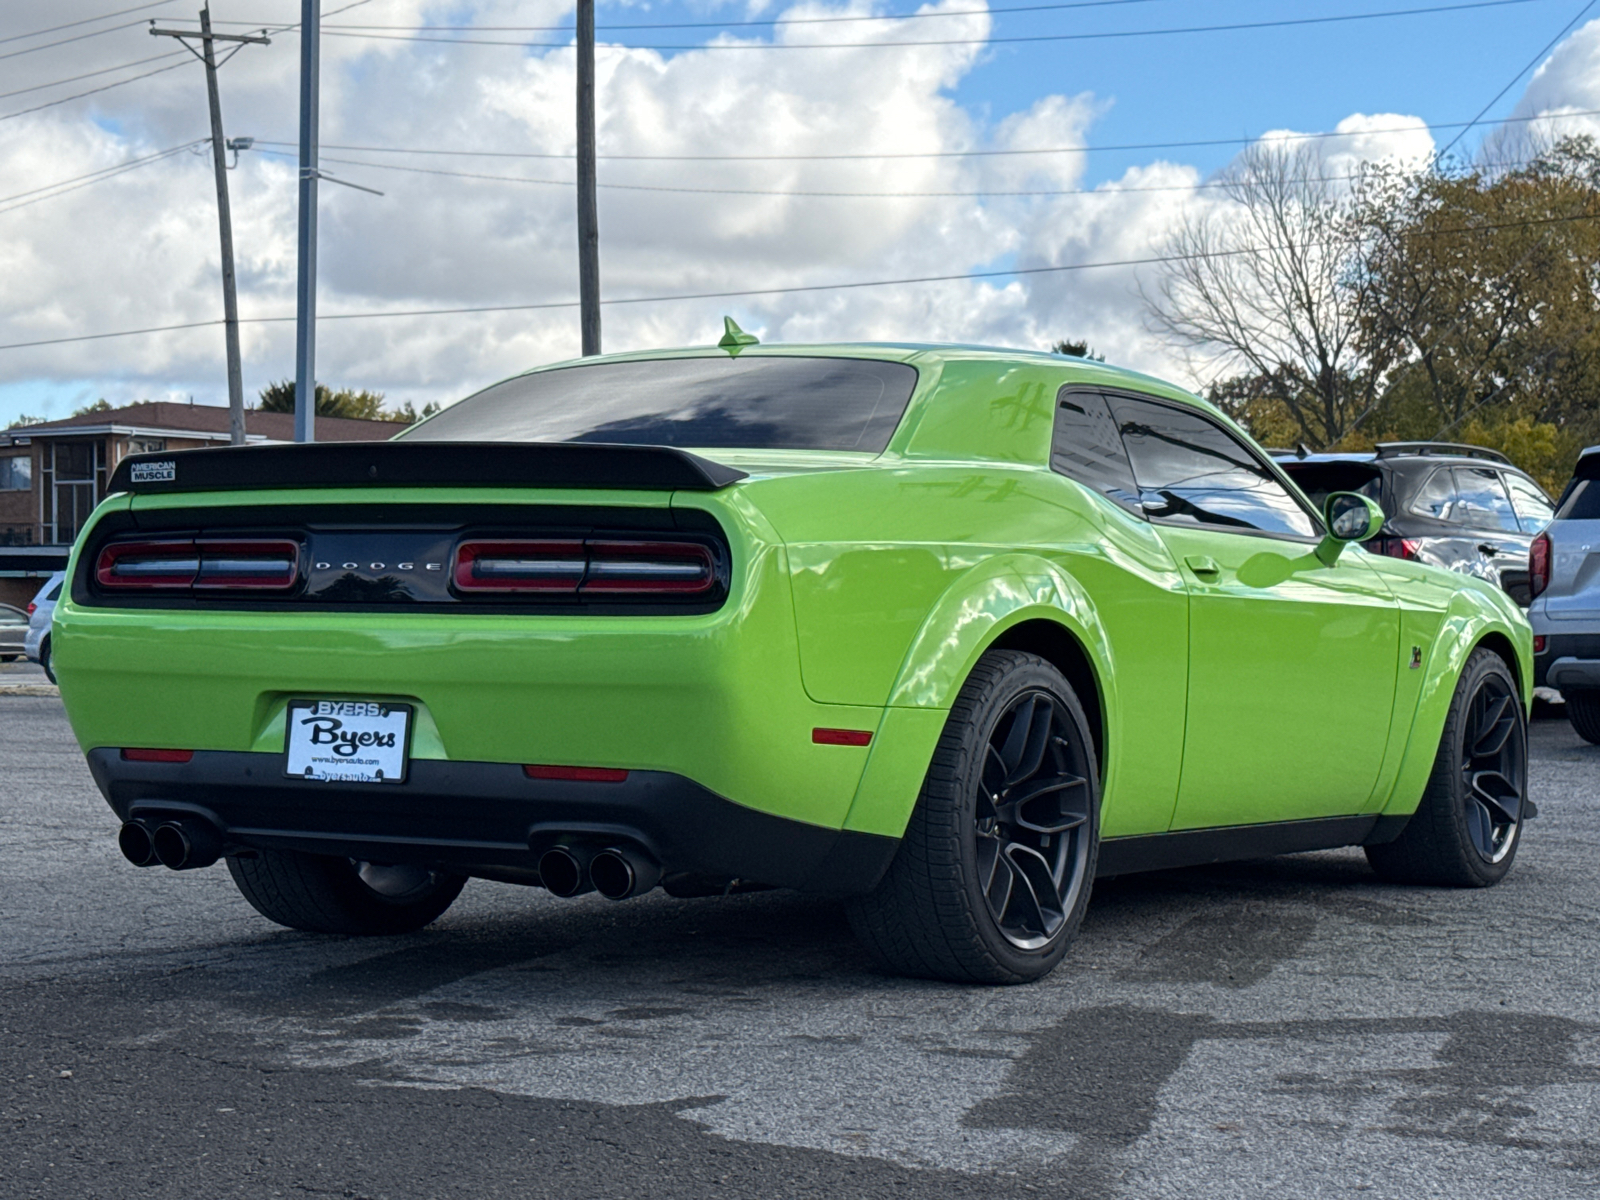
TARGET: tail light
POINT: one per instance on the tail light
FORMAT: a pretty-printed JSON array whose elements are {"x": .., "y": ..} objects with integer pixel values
[
  {"x": 1405, "y": 548},
  {"x": 1539, "y": 643},
  {"x": 595, "y": 565},
  {"x": 249, "y": 564},
  {"x": 32, "y": 608},
  {"x": 508, "y": 568},
  {"x": 1538, "y": 565}
]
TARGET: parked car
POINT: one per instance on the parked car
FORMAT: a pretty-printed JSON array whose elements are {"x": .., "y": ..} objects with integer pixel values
[
  {"x": 1564, "y": 577},
  {"x": 13, "y": 632},
  {"x": 1460, "y": 507},
  {"x": 945, "y": 631},
  {"x": 40, "y": 611}
]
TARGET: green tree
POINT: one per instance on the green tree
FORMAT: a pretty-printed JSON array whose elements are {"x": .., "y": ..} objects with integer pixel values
[
  {"x": 346, "y": 402},
  {"x": 1076, "y": 350},
  {"x": 100, "y": 405}
]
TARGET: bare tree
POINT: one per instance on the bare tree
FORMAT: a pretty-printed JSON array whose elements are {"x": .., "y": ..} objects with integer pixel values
[{"x": 1269, "y": 287}]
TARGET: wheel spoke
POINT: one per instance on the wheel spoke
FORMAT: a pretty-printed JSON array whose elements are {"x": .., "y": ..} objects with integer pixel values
[
  {"x": 1480, "y": 828},
  {"x": 991, "y": 783},
  {"x": 1036, "y": 896},
  {"x": 1498, "y": 720},
  {"x": 1048, "y": 805},
  {"x": 999, "y": 878},
  {"x": 1500, "y": 798}
]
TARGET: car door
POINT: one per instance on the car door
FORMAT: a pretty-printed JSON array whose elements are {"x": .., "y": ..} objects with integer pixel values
[
  {"x": 1292, "y": 663},
  {"x": 1484, "y": 508}
]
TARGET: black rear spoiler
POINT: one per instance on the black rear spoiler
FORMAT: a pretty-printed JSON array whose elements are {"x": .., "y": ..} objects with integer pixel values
[{"x": 422, "y": 464}]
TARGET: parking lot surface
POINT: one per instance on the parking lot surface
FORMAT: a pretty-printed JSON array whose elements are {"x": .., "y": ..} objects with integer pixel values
[{"x": 1286, "y": 1027}]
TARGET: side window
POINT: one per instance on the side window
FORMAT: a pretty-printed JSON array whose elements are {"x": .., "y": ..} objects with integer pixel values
[
  {"x": 1436, "y": 497},
  {"x": 1086, "y": 447},
  {"x": 1191, "y": 472},
  {"x": 1533, "y": 509},
  {"x": 1483, "y": 500}
]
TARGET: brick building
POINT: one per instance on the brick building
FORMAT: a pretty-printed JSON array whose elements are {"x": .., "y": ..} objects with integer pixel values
[{"x": 52, "y": 475}]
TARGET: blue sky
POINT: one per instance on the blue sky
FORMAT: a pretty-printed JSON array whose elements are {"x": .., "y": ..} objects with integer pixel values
[{"x": 141, "y": 250}]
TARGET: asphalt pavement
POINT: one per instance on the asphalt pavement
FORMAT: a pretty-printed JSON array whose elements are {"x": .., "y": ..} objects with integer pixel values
[{"x": 1287, "y": 1027}]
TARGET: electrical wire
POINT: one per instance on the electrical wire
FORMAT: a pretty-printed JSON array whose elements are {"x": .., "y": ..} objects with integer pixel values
[
  {"x": 1240, "y": 141},
  {"x": 75, "y": 38},
  {"x": 90, "y": 74},
  {"x": 1533, "y": 62},
  {"x": 22, "y": 112},
  {"x": 121, "y": 12},
  {"x": 772, "y": 291},
  {"x": 1231, "y": 27},
  {"x": 62, "y": 186}
]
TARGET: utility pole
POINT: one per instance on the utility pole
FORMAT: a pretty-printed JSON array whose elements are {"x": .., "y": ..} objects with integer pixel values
[
  {"x": 305, "y": 320},
  {"x": 588, "y": 214},
  {"x": 219, "y": 159}
]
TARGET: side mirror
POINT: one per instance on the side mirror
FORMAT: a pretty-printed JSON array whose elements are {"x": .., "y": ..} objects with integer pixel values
[{"x": 1350, "y": 517}]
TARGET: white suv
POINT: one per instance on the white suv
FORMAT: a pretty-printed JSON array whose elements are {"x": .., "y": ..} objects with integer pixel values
[{"x": 1564, "y": 579}]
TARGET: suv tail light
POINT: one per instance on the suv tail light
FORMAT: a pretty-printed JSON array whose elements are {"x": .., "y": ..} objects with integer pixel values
[
  {"x": 245, "y": 564},
  {"x": 1405, "y": 548},
  {"x": 1538, "y": 565},
  {"x": 595, "y": 565},
  {"x": 32, "y": 608}
]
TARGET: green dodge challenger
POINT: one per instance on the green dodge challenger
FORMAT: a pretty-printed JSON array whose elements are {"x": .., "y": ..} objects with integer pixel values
[{"x": 945, "y": 631}]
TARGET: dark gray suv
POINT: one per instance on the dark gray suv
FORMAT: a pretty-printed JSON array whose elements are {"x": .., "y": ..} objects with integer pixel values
[{"x": 1460, "y": 507}]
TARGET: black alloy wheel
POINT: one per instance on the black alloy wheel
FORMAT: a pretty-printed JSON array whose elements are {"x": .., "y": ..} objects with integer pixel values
[
  {"x": 1469, "y": 823},
  {"x": 994, "y": 873},
  {"x": 1031, "y": 810},
  {"x": 1494, "y": 768}
]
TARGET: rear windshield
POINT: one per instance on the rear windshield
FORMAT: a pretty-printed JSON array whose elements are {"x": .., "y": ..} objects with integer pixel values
[
  {"x": 1582, "y": 501},
  {"x": 1318, "y": 480},
  {"x": 746, "y": 403}
]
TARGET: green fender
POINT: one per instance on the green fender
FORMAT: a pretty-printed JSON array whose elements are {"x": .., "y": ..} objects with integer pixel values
[
  {"x": 1470, "y": 617},
  {"x": 970, "y": 616}
]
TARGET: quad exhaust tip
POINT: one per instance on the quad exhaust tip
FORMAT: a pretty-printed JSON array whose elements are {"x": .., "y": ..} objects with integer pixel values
[
  {"x": 180, "y": 845},
  {"x": 618, "y": 872},
  {"x": 564, "y": 871}
]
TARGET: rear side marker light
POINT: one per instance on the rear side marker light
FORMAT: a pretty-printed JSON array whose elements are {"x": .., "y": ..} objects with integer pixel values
[
  {"x": 1538, "y": 643},
  {"x": 577, "y": 774},
  {"x": 173, "y": 756},
  {"x": 246, "y": 564},
  {"x": 594, "y": 565},
  {"x": 841, "y": 737}
]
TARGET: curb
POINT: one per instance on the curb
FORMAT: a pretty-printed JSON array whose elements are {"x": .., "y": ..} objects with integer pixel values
[{"x": 29, "y": 689}]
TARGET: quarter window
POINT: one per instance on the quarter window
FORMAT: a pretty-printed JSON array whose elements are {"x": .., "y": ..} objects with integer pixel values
[
  {"x": 1193, "y": 472},
  {"x": 1533, "y": 508},
  {"x": 1086, "y": 448},
  {"x": 1436, "y": 498},
  {"x": 1483, "y": 501}
]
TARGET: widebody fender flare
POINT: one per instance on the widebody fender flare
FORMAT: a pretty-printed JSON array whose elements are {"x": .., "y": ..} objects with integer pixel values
[
  {"x": 1470, "y": 619},
  {"x": 972, "y": 614}
]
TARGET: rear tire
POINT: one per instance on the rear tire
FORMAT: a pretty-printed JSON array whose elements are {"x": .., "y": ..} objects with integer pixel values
[
  {"x": 1583, "y": 710},
  {"x": 993, "y": 875},
  {"x": 321, "y": 894},
  {"x": 44, "y": 660},
  {"x": 1466, "y": 831}
]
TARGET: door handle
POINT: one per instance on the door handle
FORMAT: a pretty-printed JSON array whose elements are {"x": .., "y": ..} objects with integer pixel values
[{"x": 1203, "y": 565}]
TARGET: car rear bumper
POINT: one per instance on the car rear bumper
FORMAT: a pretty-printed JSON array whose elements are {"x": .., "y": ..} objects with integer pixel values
[
  {"x": 490, "y": 819},
  {"x": 1569, "y": 661}
]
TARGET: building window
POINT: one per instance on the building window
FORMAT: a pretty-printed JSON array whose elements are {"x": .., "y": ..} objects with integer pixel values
[
  {"x": 146, "y": 445},
  {"x": 16, "y": 472}
]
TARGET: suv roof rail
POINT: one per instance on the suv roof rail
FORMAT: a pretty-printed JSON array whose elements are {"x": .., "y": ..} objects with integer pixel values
[{"x": 1389, "y": 449}]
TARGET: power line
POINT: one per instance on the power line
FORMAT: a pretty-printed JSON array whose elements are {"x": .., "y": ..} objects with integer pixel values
[
  {"x": 139, "y": 62},
  {"x": 121, "y": 12},
  {"x": 22, "y": 112},
  {"x": 1533, "y": 62},
  {"x": 1231, "y": 27},
  {"x": 705, "y": 191},
  {"x": 75, "y": 38},
  {"x": 64, "y": 185},
  {"x": 772, "y": 291},
  {"x": 1240, "y": 141}
]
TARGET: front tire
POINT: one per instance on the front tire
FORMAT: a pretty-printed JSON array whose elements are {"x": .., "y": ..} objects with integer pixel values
[
  {"x": 1583, "y": 710},
  {"x": 1466, "y": 830},
  {"x": 318, "y": 893},
  {"x": 992, "y": 879}
]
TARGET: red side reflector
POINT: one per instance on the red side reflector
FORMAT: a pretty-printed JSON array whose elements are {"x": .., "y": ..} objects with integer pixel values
[
  {"x": 157, "y": 755},
  {"x": 577, "y": 774},
  {"x": 841, "y": 737},
  {"x": 1538, "y": 643}
]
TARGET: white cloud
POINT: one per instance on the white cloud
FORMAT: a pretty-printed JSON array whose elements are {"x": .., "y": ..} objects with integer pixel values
[
  {"x": 141, "y": 249},
  {"x": 1568, "y": 82}
]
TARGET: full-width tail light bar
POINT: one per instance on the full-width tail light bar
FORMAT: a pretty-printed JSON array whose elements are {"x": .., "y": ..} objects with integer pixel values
[
  {"x": 210, "y": 564},
  {"x": 614, "y": 567}
]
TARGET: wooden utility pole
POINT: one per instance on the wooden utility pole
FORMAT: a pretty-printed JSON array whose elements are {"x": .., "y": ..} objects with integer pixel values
[
  {"x": 588, "y": 214},
  {"x": 219, "y": 159}
]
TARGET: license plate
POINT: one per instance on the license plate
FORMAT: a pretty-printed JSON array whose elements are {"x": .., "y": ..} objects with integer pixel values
[{"x": 348, "y": 741}]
